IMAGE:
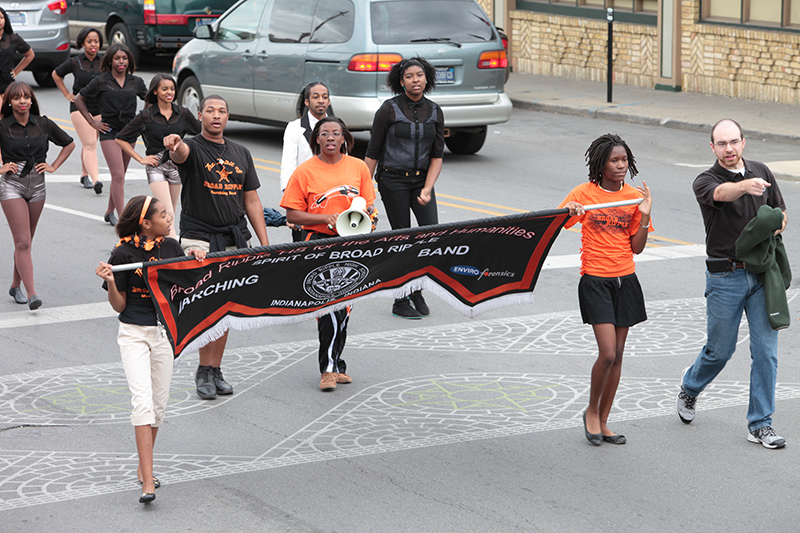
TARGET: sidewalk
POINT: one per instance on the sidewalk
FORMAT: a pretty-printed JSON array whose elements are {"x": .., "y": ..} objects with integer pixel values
[{"x": 683, "y": 110}]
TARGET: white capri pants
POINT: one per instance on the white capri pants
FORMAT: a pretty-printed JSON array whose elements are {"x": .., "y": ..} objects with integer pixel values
[{"x": 147, "y": 358}]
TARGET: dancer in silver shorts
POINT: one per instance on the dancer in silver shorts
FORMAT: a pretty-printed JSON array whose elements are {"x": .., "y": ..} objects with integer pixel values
[
  {"x": 25, "y": 136},
  {"x": 160, "y": 118}
]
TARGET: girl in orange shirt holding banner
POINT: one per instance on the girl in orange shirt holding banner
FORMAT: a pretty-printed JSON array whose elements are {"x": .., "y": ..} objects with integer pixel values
[{"x": 610, "y": 296}]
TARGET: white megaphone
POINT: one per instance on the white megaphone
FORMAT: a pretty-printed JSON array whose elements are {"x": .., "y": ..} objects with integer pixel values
[{"x": 355, "y": 220}]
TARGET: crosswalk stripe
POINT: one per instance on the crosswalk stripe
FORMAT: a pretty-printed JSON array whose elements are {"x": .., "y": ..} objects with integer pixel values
[{"x": 56, "y": 315}]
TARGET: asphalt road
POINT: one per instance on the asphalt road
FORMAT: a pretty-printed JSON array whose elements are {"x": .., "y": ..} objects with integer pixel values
[{"x": 450, "y": 425}]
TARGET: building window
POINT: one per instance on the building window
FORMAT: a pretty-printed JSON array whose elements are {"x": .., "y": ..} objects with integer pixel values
[
  {"x": 632, "y": 11},
  {"x": 776, "y": 13},
  {"x": 636, "y": 6}
]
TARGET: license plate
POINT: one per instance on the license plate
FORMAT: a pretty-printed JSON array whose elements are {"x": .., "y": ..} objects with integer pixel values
[
  {"x": 18, "y": 18},
  {"x": 204, "y": 21},
  {"x": 445, "y": 76}
]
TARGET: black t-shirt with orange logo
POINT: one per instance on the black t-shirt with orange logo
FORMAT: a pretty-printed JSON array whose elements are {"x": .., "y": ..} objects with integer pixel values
[
  {"x": 215, "y": 177},
  {"x": 139, "y": 309}
]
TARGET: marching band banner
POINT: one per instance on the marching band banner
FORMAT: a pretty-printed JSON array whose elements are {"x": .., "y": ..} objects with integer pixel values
[{"x": 473, "y": 266}]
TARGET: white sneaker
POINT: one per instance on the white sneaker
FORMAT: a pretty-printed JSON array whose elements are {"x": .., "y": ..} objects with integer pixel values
[
  {"x": 767, "y": 437},
  {"x": 685, "y": 402}
]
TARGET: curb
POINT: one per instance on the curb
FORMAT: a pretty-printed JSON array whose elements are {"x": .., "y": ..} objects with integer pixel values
[{"x": 646, "y": 121}]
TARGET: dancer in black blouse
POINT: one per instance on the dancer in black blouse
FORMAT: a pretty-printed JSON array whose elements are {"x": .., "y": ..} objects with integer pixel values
[
  {"x": 163, "y": 117},
  {"x": 147, "y": 356},
  {"x": 115, "y": 91},
  {"x": 84, "y": 68},
  {"x": 10, "y": 44},
  {"x": 24, "y": 139}
]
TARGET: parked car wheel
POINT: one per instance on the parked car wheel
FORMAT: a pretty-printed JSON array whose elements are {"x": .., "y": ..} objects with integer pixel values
[
  {"x": 190, "y": 95},
  {"x": 466, "y": 142},
  {"x": 44, "y": 77},
  {"x": 121, "y": 35}
]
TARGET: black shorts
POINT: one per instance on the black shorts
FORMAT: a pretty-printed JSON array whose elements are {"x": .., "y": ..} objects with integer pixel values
[{"x": 617, "y": 301}]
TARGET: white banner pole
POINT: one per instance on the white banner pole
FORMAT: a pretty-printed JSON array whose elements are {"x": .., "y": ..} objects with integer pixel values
[
  {"x": 613, "y": 204},
  {"x": 126, "y": 266}
]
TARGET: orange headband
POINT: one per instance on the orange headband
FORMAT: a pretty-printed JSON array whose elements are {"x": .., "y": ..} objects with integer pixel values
[{"x": 145, "y": 207}]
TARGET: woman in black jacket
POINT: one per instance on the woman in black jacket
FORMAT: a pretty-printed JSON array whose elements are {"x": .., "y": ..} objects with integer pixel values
[{"x": 406, "y": 146}]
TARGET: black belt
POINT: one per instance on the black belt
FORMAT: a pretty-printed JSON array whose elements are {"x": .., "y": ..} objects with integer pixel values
[
  {"x": 718, "y": 264},
  {"x": 406, "y": 173}
]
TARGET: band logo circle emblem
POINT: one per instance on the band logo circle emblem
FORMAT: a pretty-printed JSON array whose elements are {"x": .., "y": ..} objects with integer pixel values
[{"x": 334, "y": 280}]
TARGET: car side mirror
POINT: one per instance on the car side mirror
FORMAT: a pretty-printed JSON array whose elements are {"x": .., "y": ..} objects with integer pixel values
[{"x": 203, "y": 32}]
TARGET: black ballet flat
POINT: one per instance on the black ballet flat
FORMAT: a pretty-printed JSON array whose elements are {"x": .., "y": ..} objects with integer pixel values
[
  {"x": 34, "y": 302},
  {"x": 98, "y": 187},
  {"x": 111, "y": 218},
  {"x": 16, "y": 293},
  {"x": 615, "y": 439},
  {"x": 147, "y": 497},
  {"x": 156, "y": 482},
  {"x": 595, "y": 439}
]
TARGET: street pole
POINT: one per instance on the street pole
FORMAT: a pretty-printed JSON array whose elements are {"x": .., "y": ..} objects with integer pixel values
[{"x": 609, "y": 75}]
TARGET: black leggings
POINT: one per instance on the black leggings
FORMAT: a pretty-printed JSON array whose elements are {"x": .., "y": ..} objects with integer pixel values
[
  {"x": 332, "y": 331},
  {"x": 399, "y": 193}
]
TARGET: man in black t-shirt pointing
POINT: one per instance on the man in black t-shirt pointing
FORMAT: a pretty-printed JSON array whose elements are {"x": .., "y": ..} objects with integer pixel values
[{"x": 219, "y": 190}]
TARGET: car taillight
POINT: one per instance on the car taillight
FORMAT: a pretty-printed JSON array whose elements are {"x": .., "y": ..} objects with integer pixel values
[
  {"x": 59, "y": 7},
  {"x": 373, "y": 62},
  {"x": 497, "y": 59},
  {"x": 64, "y": 46},
  {"x": 150, "y": 12},
  {"x": 505, "y": 43}
]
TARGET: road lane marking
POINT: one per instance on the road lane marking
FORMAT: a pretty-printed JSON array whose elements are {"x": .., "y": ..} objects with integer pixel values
[
  {"x": 74, "y": 212},
  {"x": 475, "y": 209},
  {"x": 449, "y": 197},
  {"x": 267, "y": 161},
  {"x": 135, "y": 174},
  {"x": 652, "y": 254}
]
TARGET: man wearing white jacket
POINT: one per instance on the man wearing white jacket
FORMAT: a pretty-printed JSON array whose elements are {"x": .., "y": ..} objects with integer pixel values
[{"x": 296, "y": 149}]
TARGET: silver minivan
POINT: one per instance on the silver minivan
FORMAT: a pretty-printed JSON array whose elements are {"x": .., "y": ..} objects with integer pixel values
[{"x": 261, "y": 53}]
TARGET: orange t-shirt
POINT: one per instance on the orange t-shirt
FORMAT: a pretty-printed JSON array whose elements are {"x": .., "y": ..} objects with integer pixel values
[
  {"x": 606, "y": 233},
  {"x": 322, "y": 189}
]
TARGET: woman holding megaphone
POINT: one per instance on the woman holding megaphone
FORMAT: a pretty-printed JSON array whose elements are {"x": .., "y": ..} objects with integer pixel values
[{"x": 318, "y": 192}]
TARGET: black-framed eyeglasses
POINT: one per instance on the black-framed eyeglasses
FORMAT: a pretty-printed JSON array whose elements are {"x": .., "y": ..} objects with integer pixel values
[{"x": 722, "y": 144}]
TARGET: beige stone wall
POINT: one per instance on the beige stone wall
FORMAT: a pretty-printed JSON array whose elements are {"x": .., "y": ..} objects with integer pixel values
[
  {"x": 737, "y": 61},
  {"x": 572, "y": 47},
  {"x": 488, "y": 6},
  {"x": 733, "y": 61}
]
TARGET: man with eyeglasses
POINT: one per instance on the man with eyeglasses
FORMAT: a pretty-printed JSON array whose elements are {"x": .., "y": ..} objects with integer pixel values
[{"x": 730, "y": 194}]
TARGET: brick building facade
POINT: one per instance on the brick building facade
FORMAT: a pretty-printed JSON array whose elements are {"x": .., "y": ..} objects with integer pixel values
[{"x": 713, "y": 58}]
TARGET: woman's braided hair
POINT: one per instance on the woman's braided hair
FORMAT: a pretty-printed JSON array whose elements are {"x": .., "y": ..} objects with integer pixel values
[{"x": 599, "y": 152}]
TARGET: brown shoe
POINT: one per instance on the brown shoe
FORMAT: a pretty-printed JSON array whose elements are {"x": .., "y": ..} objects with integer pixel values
[
  {"x": 341, "y": 377},
  {"x": 328, "y": 381}
]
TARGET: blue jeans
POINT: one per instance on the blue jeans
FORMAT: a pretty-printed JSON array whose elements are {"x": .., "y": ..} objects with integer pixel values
[{"x": 727, "y": 295}]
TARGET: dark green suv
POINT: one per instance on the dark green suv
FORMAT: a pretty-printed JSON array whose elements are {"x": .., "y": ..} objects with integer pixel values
[{"x": 145, "y": 26}]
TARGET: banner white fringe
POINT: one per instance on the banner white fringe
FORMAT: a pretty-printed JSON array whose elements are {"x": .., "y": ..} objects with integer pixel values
[{"x": 244, "y": 323}]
